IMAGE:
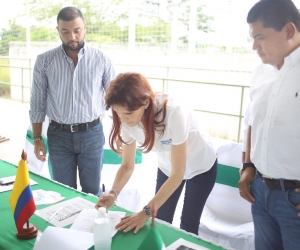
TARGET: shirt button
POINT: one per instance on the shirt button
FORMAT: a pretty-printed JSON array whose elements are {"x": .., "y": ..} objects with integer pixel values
[
  {"x": 273, "y": 95},
  {"x": 75, "y": 115},
  {"x": 263, "y": 159},
  {"x": 265, "y": 139},
  {"x": 75, "y": 88},
  {"x": 74, "y": 74}
]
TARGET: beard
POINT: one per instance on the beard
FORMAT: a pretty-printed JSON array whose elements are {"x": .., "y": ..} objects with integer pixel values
[{"x": 76, "y": 48}]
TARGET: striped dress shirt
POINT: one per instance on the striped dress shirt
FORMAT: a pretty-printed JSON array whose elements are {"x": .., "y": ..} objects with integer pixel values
[{"x": 66, "y": 93}]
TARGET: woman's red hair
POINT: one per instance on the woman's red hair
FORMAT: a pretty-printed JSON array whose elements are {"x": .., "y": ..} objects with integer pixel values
[{"x": 132, "y": 91}]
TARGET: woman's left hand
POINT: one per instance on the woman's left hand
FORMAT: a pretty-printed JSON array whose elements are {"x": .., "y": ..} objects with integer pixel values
[{"x": 135, "y": 221}]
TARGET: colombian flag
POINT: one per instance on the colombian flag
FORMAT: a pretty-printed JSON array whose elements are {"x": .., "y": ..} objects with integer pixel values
[{"x": 21, "y": 199}]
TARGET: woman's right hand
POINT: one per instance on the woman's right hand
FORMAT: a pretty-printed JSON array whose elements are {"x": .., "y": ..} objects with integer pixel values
[{"x": 106, "y": 200}]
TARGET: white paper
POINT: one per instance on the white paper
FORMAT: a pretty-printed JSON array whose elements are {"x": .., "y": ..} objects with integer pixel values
[
  {"x": 63, "y": 238},
  {"x": 42, "y": 197},
  {"x": 4, "y": 188},
  {"x": 70, "y": 208},
  {"x": 85, "y": 220},
  {"x": 182, "y": 244}
]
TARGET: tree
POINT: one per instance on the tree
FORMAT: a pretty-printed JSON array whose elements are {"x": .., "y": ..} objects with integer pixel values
[
  {"x": 101, "y": 16},
  {"x": 203, "y": 20},
  {"x": 15, "y": 33},
  {"x": 158, "y": 32}
]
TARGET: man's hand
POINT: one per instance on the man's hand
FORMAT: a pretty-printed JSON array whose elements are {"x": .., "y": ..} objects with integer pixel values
[
  {"x": 39, "y": 150},
  {"x": 247, "y": 177},
  {"x": 241, "y": 170},
  {"x": 135, "y": 221},
  {"x": 298, "y": 206}
]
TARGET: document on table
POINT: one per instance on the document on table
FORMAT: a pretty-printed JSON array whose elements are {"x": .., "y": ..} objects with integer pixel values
[
  {"x": 8, "y": 187},
  {"x": 68, "y": 211},
  {"x": 85, "y": 220},
  {"x": 42, "y": 197},
  {"x": 64, "y": 238},
  {"x": 182, "y": 244}
]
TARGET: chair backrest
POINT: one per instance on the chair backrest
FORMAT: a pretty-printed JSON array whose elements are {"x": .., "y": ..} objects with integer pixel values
[
  {"x": 224, "y": 202},
  {"x": 226, "y": 218}
]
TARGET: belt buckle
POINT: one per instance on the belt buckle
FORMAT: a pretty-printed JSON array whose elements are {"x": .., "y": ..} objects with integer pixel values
[{"x": 71, "y": 126}]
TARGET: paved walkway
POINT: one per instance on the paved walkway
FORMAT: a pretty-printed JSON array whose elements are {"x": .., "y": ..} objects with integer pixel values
[{"x": 14, "y": 121}]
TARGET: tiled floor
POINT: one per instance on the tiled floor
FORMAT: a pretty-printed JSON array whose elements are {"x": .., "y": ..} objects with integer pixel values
[{"x": 14, "y": 121}]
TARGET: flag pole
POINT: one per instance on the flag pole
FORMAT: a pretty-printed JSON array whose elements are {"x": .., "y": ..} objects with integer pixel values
[{"x": 28, "y": 231}]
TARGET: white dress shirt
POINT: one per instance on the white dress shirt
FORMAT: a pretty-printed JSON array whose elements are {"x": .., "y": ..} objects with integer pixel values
[
  {"x": 275, "y": 119},
  {"x": 245, "y": 126}
]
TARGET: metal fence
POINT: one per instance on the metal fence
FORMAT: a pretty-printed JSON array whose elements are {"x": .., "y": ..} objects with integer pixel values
[{"x": 166, "y": 84}]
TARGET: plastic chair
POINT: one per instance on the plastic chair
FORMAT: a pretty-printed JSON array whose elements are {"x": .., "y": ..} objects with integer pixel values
[{"x": 226, "y": 218}]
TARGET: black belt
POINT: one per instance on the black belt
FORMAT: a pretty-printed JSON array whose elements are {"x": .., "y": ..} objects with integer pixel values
[
  {"x": 76, "y": 127},
  {"x": 275, "y": 183}
]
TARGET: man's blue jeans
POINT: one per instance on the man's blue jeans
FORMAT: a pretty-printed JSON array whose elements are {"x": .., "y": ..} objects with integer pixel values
[
  {"x": 84, "y": 149},
  {"x": 196, "y": 192},
  {"x": 276, "y": 223}
]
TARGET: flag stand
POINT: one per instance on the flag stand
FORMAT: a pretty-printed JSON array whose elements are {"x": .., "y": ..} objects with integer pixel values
[{"x": 28, "y": 231}]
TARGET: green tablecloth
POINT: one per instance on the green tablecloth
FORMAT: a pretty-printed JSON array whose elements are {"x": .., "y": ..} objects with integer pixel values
[{"x": 121, "y": 241}]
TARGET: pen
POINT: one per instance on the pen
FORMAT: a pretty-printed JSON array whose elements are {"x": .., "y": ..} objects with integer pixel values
[
  {"x": 8, "y": 183},
  {"x": 53, "y": 215}
]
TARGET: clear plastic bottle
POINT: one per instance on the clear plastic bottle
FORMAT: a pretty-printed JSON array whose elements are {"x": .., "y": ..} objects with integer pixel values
[{"x": 102, "y": 231}]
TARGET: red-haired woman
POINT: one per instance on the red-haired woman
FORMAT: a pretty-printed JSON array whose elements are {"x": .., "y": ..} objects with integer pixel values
[{"x": 185, "y": 153}]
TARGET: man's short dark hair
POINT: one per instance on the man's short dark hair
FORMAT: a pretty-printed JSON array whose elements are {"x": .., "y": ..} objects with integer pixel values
[
  {"x": 69, "y": 14},
  {"x": 274, "y": 14}
]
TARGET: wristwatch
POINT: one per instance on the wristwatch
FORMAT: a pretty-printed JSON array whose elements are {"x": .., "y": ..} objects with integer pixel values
[
  {"x": 147, "y": 210},
  {"x": 247, "y": 165},
  {"x": 37, "y": 138}
]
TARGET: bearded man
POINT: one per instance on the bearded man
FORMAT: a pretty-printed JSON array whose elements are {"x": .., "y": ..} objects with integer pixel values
[{"x": 68, "y": 86}]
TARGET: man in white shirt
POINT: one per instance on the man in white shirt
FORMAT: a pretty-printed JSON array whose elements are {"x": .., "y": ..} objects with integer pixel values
[{"x": 272, "y": 161}]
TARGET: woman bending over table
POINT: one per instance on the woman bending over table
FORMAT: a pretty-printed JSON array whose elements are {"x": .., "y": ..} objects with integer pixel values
[{"x": 186, "y": 155}]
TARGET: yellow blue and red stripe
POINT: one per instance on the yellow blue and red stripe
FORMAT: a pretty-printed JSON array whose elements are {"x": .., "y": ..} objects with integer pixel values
[{"x": 21, "y": 198}]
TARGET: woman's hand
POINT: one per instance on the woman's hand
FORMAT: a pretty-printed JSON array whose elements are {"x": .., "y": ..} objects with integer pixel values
[
  {"x": 106, "y": 200},
  {"x": 135, "y": 221}
]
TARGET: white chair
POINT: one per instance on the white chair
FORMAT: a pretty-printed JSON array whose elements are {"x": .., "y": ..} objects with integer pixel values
[{"x": 226, "y": 218}]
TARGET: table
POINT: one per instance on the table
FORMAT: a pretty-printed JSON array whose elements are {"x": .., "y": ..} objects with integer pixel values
[{"x": 120, "y": 241}]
